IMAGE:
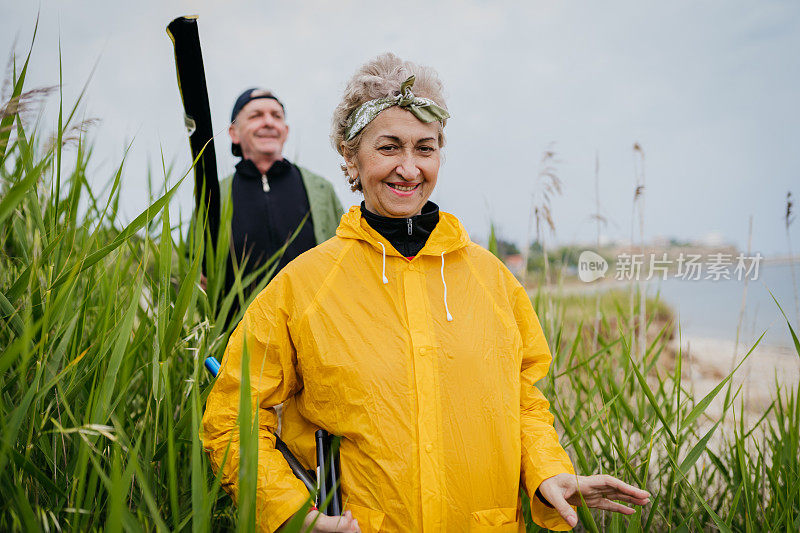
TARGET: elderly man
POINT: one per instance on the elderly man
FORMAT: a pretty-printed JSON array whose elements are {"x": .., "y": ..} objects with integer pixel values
[{"x": 270, "y": 194}]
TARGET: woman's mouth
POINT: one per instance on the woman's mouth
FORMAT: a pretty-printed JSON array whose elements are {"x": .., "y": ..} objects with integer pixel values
[{"x": 403, "y": 190}]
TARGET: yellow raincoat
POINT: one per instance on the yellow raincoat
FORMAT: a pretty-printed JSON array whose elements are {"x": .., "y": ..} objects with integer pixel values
[{"x": 425, "y": 367}]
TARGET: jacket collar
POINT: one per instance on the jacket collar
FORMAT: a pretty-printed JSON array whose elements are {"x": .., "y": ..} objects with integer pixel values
[
  {"x": 247, "y": 169},
  {"x": 407, "y": 235},
  {"x": 448, "y": 235}
]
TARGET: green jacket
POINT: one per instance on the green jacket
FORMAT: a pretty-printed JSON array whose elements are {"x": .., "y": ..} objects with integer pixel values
[{"x": 326, "y": 210}]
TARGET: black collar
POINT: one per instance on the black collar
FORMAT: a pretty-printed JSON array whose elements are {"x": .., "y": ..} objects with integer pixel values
[
  {"x": 246, "y": 168},
  {"x": 407, "y": 235}
]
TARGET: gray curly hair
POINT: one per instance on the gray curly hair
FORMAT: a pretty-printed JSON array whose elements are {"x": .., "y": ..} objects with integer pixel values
[{"x": 377, "y": 78}]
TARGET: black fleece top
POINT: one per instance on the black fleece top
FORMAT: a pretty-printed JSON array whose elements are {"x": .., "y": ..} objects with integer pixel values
[
  {"x": 263, "y": 220},
  {"x": 407, "y": 235}
]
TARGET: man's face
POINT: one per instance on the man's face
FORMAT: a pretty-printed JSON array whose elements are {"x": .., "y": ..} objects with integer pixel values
[{"x": 260, "y": 129}]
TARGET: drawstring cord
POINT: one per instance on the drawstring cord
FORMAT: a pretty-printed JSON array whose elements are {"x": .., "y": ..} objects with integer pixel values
[
  {"x": 449, "y": 316},
  {"x": 444, "y": 283},
  {"x": 383, "y": 273}
]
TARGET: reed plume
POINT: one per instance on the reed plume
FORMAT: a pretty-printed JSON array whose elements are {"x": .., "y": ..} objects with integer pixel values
[{"x": 788, "y": 219}]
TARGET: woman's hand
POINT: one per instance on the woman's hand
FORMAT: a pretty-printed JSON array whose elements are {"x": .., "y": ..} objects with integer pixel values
[
  {"x": 330, "y": 524},
  {"x": 563, "y": 490}
]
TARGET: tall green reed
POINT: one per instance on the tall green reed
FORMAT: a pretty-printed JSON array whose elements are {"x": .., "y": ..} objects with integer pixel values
[
  {"x": 103, "y": 332},
  {"x": 637, "y": 420}
]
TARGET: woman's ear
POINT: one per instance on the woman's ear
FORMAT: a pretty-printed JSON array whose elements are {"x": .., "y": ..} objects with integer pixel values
[{"x": 350, "y": 162}]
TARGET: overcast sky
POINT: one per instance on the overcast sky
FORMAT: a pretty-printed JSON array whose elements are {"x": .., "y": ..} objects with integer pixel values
[{"x": 708, "y": 89}]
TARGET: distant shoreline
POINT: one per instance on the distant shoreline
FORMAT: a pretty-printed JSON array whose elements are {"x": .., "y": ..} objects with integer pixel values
[{"x": 708, "y": 308}]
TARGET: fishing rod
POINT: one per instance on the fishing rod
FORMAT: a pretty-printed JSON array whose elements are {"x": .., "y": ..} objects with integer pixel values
[{"x": 329, "y": 498}]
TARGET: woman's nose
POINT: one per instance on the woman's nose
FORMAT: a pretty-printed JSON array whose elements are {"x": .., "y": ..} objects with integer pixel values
[{"x": 407, "y": 169}]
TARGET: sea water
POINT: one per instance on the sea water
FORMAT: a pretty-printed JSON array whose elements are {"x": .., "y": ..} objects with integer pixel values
[{"x": 711, "y": 308}]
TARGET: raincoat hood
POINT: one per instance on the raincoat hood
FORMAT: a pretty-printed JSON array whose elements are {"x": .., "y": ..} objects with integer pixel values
[{"x": 448, "y": 235}]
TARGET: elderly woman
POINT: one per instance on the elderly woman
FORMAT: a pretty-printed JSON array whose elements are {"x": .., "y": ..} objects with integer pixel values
[{"x": 414, "y": 344}]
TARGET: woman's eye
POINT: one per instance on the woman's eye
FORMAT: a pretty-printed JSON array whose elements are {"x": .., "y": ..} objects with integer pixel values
[
  {"x": 426, "y": 149},
  {"x": 387, "y": 148}
]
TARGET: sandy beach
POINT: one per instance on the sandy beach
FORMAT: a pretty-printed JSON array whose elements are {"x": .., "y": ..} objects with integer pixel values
[{"x": 707, "y": 361}]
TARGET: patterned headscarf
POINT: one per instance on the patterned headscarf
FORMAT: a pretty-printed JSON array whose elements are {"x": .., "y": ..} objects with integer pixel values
[{"x": 425, "y": 109}]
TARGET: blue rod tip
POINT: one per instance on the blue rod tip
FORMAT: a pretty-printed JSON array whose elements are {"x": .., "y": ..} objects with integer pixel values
[{"x": 212, "y": 365}]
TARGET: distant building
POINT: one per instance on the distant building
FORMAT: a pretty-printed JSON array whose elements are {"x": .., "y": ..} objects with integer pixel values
[{"x": 514, "y": 263}]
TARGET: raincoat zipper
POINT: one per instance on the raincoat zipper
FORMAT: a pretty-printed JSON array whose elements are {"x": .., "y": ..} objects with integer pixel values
[
  {"x": 409, "y": 225},
  {"x": 265, "y": 184}
]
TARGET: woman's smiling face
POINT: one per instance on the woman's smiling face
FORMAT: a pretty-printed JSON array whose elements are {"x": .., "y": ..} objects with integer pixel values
[{"x": 397, "y": 163}]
